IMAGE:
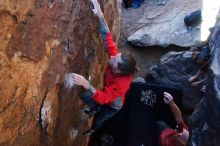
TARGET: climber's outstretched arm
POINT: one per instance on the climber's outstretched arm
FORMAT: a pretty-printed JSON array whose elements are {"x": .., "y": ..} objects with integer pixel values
[
  {"x": 109, "y": 45},
  {"x": 103, "y": 27},
  {"x": 81, "y": 81}
]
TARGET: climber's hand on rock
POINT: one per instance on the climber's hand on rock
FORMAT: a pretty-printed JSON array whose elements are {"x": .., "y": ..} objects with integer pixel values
[
  {"x": 168, "y": 98},
  {"x": 81, "y": 81},
  {"x": 96, "y": 9}
]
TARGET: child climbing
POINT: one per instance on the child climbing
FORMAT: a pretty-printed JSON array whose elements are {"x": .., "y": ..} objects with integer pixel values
[
  {"x": 202, "y": 70},
  {"x": 107, "y": 102},
  {"x": 201, "y": 57}
]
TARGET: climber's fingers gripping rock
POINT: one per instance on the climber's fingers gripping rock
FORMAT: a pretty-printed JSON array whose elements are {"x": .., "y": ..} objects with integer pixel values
[
  {"x": 96, "y": 8},
  {"x": 81, "y": 81}
]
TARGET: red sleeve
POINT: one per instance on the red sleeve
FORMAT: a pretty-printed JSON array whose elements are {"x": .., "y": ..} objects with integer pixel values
[
  {"x": 112, "y": 50},
  {"x": 181, "y": 126},
  {"x": 166, "y": 138},
  {"x": 109, "y": 94}
]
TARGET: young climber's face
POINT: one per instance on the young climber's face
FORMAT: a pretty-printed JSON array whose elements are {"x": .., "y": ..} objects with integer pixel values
[{"x": 113, "y": 62}]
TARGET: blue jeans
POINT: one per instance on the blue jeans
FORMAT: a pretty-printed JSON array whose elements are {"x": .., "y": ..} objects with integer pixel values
[{"x": 105, "y": 111}]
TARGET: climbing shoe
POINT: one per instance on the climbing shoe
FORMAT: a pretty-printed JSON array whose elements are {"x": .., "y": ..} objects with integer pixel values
[
  {"x": 87, "y": 111},
  {"x": 91, "y": 111}
]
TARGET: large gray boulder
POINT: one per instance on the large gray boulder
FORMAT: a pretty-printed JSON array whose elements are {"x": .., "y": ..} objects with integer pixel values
[{"x": 164, "y": 25}]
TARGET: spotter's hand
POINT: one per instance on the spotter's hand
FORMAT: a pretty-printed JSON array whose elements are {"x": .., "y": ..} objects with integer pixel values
[
  {"x": 168, "y": 98},
  {"x": 96, "y": 9}
]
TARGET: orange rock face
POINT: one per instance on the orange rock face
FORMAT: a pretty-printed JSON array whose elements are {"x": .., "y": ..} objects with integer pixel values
[{"x": 40, "y": 42}]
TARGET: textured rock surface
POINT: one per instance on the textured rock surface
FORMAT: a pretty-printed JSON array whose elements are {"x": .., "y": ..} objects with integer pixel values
[
  {"x": 40, "y": 41},
  {"x": 204, "y": 122},
  {"x": 163, "y": 25},
  {"x": 175, "y": 69}
]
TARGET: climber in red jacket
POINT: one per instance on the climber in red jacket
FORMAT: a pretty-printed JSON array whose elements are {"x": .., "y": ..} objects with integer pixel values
[{"x": 107, "y": 102}]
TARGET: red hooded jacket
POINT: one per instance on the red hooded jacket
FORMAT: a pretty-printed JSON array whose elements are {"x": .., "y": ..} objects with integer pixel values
[{"x": 115, "y": 85}]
